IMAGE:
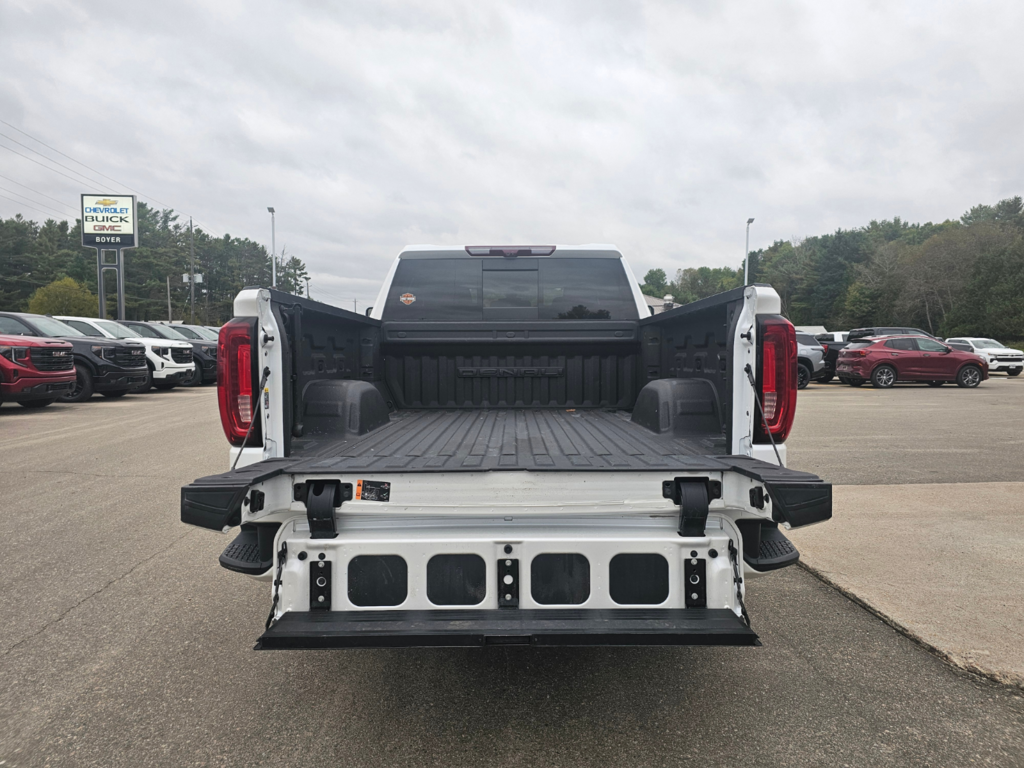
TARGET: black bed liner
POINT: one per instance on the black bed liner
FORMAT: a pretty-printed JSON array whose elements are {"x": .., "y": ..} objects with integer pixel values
[
  {"x": 481, "y": 439},
  {"x": 547, "y": 627}
]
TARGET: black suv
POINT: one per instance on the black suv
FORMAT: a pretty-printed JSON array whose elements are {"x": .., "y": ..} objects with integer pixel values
[
  {"x": 204, "y": 351},
  {"x": 109, "y": 366},
  {"x": 887, "y": 330}
]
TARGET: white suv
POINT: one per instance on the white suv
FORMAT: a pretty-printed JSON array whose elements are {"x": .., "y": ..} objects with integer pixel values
[
  {"x": 999, "y": 358},
  {"x": 170, "y": 362}
]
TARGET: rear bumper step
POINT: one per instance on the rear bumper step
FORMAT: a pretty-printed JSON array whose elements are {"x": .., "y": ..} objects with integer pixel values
[{"x": 474, "y": 628}]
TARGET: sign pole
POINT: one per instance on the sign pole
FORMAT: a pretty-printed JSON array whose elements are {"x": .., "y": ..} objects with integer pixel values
[
  {"x": 120, "y": 285},
  {"x": 99, "y": 284}
]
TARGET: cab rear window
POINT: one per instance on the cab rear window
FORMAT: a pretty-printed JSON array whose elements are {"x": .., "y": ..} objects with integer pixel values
[{"x": 468, "y": 289}]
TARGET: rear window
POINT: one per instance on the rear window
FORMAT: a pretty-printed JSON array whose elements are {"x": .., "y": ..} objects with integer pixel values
[
  {"x": 908, "y": 344},
  {"x": 858, "y": 344},
  {"x": 467, "y": 289},
  {"x": 806, "y": 338}
]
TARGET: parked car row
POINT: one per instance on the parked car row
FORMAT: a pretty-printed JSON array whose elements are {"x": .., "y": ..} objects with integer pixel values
[
  {"x": 44, "y": 359},
  {"x": 887, "y": 355}
]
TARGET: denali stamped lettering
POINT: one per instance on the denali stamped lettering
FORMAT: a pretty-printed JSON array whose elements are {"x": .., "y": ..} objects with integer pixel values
[{"x": 517, "y": 371}]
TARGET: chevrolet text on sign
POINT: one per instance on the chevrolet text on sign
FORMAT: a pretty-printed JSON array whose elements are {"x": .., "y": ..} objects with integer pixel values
[{"x": 108, "y": 221}]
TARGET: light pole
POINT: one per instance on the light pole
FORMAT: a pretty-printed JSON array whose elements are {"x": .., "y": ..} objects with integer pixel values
[
  {"x": 273, "y": 250},
  {"x": 746, "y": 253},
  {"x": 192, "y": 272}
]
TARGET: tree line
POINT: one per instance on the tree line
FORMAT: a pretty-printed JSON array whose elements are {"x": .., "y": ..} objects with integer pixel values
[
  {"x": 960, "y": 277},
  {"x": 45, "y": 256}
]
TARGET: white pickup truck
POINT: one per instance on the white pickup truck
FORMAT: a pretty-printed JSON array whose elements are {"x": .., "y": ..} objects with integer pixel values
[{"x": 508, "y": 450}]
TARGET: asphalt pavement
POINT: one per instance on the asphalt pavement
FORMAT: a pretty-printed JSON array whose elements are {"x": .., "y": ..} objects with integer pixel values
[
  {"x": 911, "y": 433},
  {"x": 927, "y": 527},
  {"x": 125, "y": 644}
]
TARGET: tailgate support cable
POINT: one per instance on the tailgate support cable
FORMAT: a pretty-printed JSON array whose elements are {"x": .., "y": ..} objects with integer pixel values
[
  {"x": 760, "y": 408},
  {"x": 281, "y": 555},
  {"x": 733, "y": 555}
]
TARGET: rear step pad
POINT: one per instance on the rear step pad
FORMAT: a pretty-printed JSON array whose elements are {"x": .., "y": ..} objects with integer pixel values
[
  {"x": 462, "y": 628},
  {"x": 252, "y": 550},
  {"x": 765, "y": 547}
]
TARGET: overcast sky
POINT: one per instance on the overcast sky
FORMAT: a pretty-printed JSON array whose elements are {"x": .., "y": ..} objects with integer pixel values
[{"x": 659, "y": 127}]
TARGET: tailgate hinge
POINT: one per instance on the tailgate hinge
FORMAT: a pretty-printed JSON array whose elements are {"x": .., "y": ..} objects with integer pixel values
[
  {"x": 322, "y": 498},
  {"x": 693, "y": 495}
]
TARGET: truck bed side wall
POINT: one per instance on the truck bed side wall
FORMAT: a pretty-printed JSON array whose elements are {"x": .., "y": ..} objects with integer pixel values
[
  {"x": 695, "y": 341},
  {"x": 322, "y": 342}
]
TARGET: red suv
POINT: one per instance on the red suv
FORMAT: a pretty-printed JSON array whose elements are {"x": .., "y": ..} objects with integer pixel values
[
  {"x": 884, "y": 361},
  {"x": 35, "y": 372}
]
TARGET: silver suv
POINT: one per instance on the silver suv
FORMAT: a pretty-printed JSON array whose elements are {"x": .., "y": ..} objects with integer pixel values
[{"x": 810, "y": 358}]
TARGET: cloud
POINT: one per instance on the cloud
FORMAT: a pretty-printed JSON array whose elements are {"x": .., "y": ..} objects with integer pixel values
[{"x": 658, "y": 126}]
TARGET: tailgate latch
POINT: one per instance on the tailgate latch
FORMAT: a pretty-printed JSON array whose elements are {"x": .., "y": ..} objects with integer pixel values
[
  {"x": 693, "y": 495},
  {"x": 322, "y": 498}
]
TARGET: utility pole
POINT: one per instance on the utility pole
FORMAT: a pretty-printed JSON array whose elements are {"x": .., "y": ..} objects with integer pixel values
[
  {"x": 192, "y": 272},
  {"x": 169, "y": 318},
  {"x": 307, "y": 287},
  {"x": 746, "y": 252},
  {"x": 273, "y": 250},
  {"x": 355, "y": 306}
]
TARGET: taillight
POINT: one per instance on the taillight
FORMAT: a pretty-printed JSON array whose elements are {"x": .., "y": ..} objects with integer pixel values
[
  {"x": 825, "y": 347},
  {"x": 235, "y": 377},
  {"x": 776, "y": 377}
]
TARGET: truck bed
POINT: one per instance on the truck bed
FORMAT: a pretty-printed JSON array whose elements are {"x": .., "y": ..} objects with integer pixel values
[{"x": 476, "y": 440}]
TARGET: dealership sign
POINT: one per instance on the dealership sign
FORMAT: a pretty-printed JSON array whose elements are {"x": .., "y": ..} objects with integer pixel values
[{"x": 108, "y": 222}]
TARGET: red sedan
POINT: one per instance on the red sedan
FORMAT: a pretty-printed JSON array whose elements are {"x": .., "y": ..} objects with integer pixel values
[{"x": 885, "y": 361}]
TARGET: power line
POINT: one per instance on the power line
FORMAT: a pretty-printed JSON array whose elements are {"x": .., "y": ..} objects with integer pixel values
[
  {"x": 37, "y": 152},
  {"x": 19, "y": 202},
  {"x": 36, "y": 191},
  {"x": 79, "y": 162},
  {"x": 77, "y": 181},
  {"x": 19, "y": 194}
]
